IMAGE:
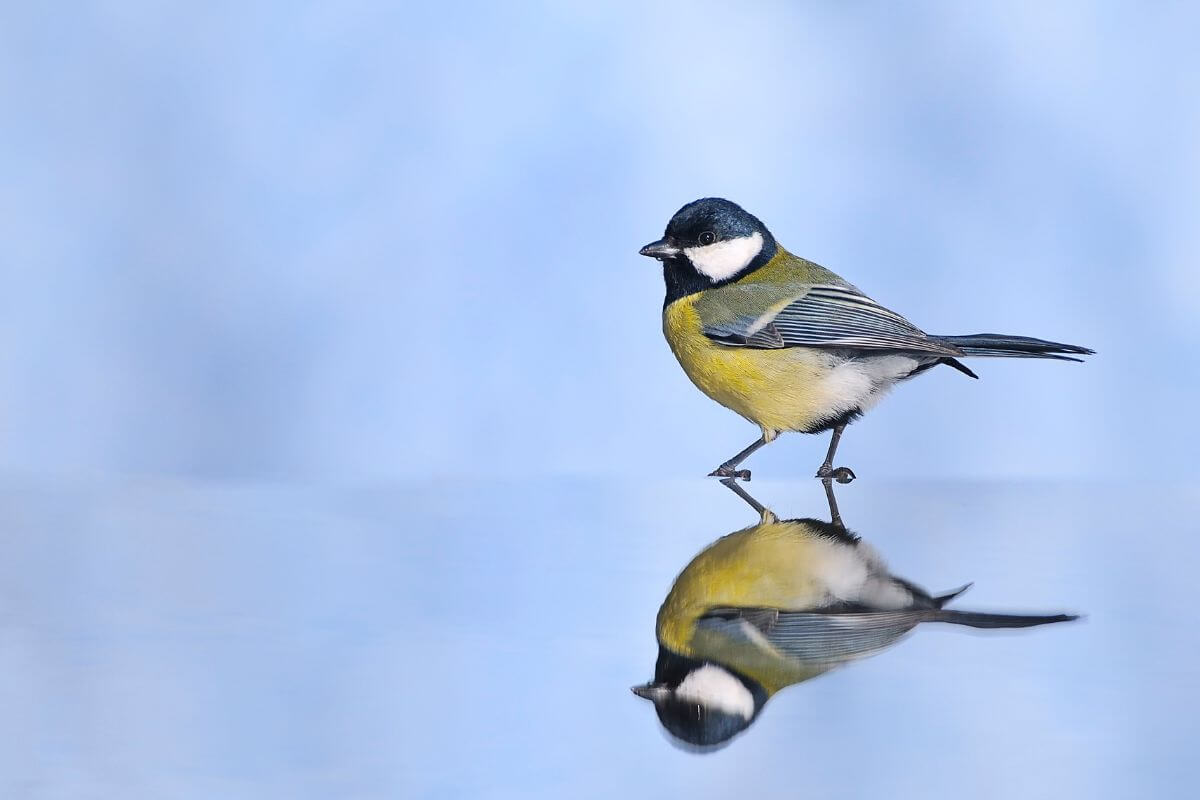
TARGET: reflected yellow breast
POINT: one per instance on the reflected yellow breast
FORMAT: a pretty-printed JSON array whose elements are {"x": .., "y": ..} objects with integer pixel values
[{"x": 767, "y": 566}]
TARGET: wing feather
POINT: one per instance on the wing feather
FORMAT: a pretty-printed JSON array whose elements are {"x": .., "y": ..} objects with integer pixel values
[
  {"x": 826, "y": 316},
  {"x": 814, "y": 637}
]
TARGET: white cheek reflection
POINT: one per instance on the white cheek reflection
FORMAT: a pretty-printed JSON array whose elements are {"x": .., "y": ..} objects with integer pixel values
[
  {"x": 725, "y": 259},
  {"x": 716, "y": 688}
]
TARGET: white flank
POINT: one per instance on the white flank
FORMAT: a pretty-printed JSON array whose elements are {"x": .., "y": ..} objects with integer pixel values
[
  {"x": 716, "y": 688},
  {"x": 840, "y": 570},
  {"x": 856, "y": 574},
  {"x": 862, "y": 382},
  {"x": 725, "y": 259},
  {"x": 879, "y": 589}
]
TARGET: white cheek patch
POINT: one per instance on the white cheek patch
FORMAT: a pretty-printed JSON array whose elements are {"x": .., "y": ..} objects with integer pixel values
[
  {"x": 725, "y": 259},
  {"x": 716, "y": 688}
]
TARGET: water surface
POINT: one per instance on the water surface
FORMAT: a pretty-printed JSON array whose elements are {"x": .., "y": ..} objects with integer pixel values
[{"x": 479, "y": 638}]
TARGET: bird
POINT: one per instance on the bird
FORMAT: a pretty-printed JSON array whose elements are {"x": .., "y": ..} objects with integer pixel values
[
  {"x": 776, "y": 604},
  {"x": 788, "y": 344}
]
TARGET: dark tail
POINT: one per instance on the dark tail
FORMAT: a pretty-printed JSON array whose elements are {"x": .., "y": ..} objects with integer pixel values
[
  {"x": 978, "y": 619},
  {"x": 999, "y": 345},
  {"x": 941, "y": 599}
]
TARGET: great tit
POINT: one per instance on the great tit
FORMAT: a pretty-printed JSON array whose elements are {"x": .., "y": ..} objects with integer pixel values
[
  {"x": 786, "y": 343},
  {"x": 776, "y": 604}
]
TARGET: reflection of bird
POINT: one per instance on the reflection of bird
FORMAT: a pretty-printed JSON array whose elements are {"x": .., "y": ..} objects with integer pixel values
[
  {"x": 786, "y": 343},
  {"x": 776, "y": 604}
]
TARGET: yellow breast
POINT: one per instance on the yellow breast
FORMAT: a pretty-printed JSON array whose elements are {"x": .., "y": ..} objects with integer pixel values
[{"x": 779, "y": 390}]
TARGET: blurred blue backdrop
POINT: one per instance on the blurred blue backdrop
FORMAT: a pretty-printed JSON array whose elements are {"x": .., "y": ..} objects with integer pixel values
[{"x": 372, "y": 241}]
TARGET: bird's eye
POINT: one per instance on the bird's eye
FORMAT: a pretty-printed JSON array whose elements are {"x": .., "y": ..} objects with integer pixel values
[{"x": 706, "y": 238}]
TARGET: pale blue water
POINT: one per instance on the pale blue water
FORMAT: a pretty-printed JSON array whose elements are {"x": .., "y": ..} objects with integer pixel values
[{"x": 479, "y": 638}]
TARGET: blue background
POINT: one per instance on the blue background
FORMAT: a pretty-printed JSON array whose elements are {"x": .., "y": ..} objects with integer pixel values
[
  {"x": 375, "y": 241},
  {"x": 341, "y": 454}
]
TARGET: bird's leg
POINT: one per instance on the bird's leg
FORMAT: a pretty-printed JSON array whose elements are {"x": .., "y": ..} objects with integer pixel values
[
  {"x": 764, "y": 512},
  {"x": 729, "y": 468},
  {"x": 841, "y": 474},
  {"x": 834, "y": 516}
]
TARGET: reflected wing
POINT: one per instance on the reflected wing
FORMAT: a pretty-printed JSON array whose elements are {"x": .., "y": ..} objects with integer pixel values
[
  {"x": 813, "y": 636},
  {"x": 816, "y": 316}
]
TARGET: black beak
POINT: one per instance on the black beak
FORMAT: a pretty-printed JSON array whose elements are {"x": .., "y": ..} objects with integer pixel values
[
  {"x": 651, "y": 691},
  {"x": 662, "y": 249}
]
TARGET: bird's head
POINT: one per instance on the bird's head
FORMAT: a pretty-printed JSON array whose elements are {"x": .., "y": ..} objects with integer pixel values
[
  {"x": 709, "y": 242},
  {"x": 706, "y": 706}
]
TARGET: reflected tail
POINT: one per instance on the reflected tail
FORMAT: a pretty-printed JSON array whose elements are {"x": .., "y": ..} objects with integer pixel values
[{"x": 978, "y": 619}]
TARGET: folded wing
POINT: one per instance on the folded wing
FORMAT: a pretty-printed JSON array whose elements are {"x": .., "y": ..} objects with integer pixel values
[
  {"x": 814, "y": 637},
  {"x": 827, "y": 316}
]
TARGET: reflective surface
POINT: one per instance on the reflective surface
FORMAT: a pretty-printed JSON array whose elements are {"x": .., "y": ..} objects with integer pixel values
[{"x": 450, "y": 639}]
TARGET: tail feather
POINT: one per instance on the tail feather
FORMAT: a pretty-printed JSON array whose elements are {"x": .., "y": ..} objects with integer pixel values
[
  {"x": 941, "y": 599},
  {"x": 979, "y": 619},
  {"x": 1001, "y": 346},
  {"x": 958, "y": 365}
]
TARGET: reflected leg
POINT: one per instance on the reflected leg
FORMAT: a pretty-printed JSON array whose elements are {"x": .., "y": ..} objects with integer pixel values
[
  {"x": 764, "y": 512},
  {"x": 841, "y": 474},
  {"x": 729, "y": 468},
  {"x": 834, "y": 516}
]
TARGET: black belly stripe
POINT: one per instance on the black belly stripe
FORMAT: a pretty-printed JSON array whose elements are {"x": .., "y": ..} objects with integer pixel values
[{"x": 832, "y": 422}]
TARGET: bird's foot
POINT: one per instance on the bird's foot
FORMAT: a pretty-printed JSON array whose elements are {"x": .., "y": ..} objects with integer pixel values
[
  {"x": 726, "y": 471},
  {"x": 839, "y": 474}
]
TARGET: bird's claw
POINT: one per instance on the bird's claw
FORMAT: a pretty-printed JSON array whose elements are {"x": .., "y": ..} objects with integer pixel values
[
  {"x": 729, "y": 472},
  {"x": 839, "y": 474}
]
